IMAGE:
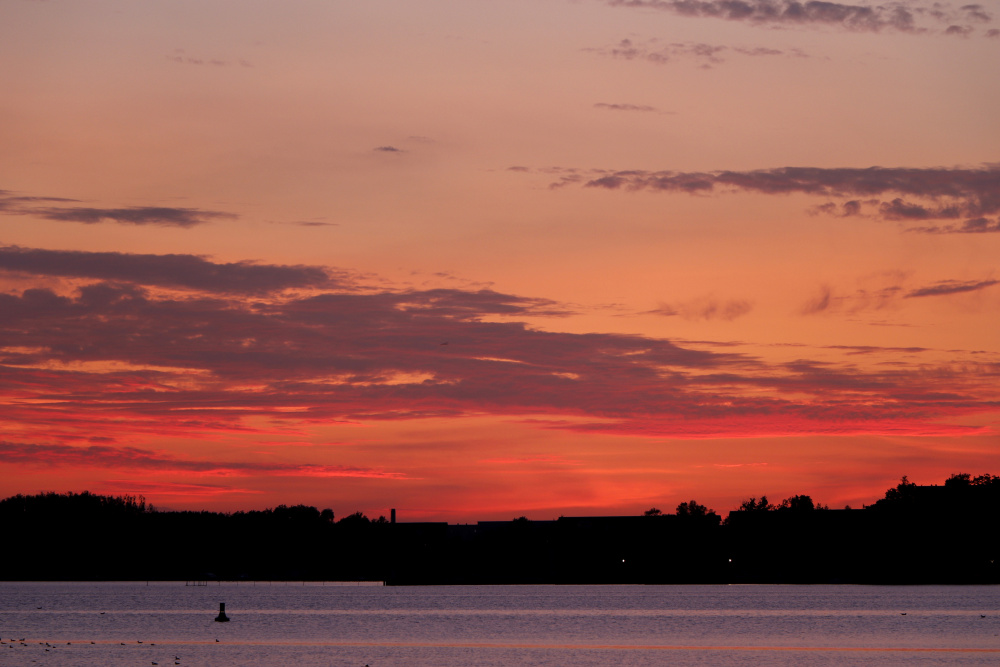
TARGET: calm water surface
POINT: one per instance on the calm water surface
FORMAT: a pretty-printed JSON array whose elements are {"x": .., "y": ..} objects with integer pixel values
[{"x": 168, "y": 623}]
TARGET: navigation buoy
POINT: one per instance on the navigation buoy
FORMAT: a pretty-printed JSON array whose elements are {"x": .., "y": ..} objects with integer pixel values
[{"x": 222, "y": 618}]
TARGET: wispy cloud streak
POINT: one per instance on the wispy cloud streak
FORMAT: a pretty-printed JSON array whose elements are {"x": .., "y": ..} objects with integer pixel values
[
  {"x": 625, "y": 107},
  {"x": 952, "y": 287},
  {"x": 706, "y": 55},
  {"x": 885, "y": 292},
  {"x": 707, "y": 308},
  {"x": 132, "y": 458},
  {"x": 927, "y": 194},
  {"x": 892, "y": 16},
  {"x": 161, "y": 216}
]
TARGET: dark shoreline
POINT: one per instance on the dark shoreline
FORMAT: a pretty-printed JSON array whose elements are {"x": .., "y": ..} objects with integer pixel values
[{"x": 915, "y": 535}]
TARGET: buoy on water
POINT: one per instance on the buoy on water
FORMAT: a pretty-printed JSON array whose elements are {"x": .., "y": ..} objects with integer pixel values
[{"x": 222, "y": 618}]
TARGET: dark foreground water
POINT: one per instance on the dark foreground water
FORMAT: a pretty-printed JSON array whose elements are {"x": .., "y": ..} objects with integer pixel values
[{"x": 306, "y": 625}]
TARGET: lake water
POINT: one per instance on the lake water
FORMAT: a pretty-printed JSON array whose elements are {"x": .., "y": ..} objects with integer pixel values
[{"x": 306, "y": 625}]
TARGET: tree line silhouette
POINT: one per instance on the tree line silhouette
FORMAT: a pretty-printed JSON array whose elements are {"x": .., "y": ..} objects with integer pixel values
[{"x": 914, "y": 534}]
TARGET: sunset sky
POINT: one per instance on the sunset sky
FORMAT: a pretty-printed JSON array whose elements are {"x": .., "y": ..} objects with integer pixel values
[{"x": 476, "y": 260}]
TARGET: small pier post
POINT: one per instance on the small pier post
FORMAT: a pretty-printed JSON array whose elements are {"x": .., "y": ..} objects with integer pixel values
[{"x": 222, "y": 618}]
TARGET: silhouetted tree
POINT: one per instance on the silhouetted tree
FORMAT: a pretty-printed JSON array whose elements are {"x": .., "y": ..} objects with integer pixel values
[
  {"x": 652, "y": 511},
  {"x": 901, "y": 494},
  {"x": 797, "y": 504},
  {"x": 959, "y": 480},
  {"x": 296, "y": 514},
  {"x": 79, "y": 505},
  {"x": 965, "y": 480},
  {"x": 755, "y": 505},
  {"x": 692, "y": 509},
  {"x": 356, "y": 519}
]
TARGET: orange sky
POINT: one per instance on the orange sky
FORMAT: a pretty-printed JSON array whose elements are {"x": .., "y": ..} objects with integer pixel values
[{"x": 476, "y": 260}]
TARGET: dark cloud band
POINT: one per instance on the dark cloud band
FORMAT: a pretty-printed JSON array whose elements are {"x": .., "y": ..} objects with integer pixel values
[
  {"x": 162, "y": 216},
  {"x": 952, "y": 287},
  {"x": 184, "y": 271},
  {"x": 927, "y": 194},
  {"x": 134, "y": 215},
  {"x": 113, "y": 359},
  {"x": 893, "y": 16}
]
